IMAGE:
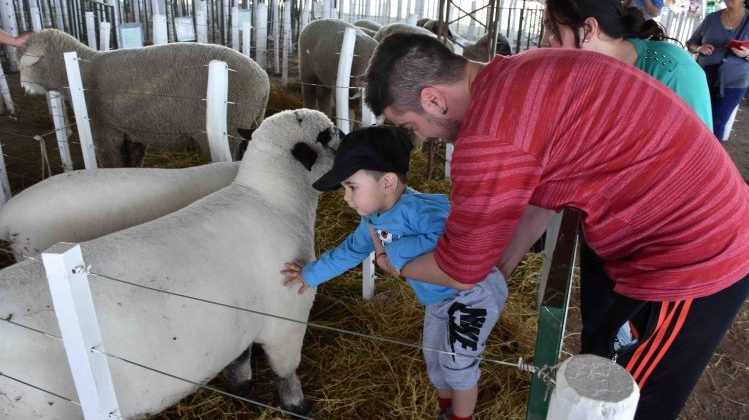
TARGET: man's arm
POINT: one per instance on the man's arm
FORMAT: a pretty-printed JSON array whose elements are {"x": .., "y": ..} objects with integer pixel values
[
  {"x": 533, "y": 223},
  {"x": 425, "y": 269},
  {"x": 8, "y": 39}
]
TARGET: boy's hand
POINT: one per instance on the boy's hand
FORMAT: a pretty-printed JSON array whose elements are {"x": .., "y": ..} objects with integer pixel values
[
  {"x": 293, "y": 275},
  {"x": 382, "y": 261}
]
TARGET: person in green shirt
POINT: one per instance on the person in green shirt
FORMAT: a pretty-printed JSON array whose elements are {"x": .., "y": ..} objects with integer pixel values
[{"x": 610, "y": 28}]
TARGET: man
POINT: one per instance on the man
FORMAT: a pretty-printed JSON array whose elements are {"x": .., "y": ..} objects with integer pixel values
[{"x": 664, "y": 206}]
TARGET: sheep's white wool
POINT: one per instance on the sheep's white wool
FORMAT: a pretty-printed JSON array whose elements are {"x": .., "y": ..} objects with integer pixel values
[
  {"x": 227, "y": 247},
  {"x": 92, "y": 203},
  {"x": 152, "y": 95}
]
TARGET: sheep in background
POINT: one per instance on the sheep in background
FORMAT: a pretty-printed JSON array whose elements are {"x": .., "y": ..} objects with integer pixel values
[
  {"x": 227, "y": 247},
  {"x": 368, "y": 24},
  {"x": 151, "y": 95},
  {"x": 479, "y": 50},
  {"x": 319, "y": 52},
  {"x": 93, "y": 203},
  {"x": 400, "y": 27}
]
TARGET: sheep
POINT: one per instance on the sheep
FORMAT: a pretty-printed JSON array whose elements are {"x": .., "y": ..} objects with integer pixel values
[
  {"x": 368, "y": 24},
  {"x": 93, "y": 203},
  {"x": 227, "y": 247},
  {"x": 319, "y": 51},
  {"x": 479, "y": 50},
  {"x": 151, "y": 95},
  {"x": 400, "y": 27}
]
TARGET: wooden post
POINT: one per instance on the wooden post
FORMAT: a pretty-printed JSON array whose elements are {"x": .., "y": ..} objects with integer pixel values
[
  {"x": 57, "y": 112},
  {"x": 552, "y": 312},
  {"x": 215, "y": 111},
  {"x": 79, "y": 326},
  {"x": 261, "y": 39},
  {"x": 79, "y": 107},
  {"x": 8, "y": 17},
  {"x": 286, "y": 43},
  {"x": 4, "y": 184},
  {"x": 5, "y": 92},
  {"x": 590, "y": 387}
]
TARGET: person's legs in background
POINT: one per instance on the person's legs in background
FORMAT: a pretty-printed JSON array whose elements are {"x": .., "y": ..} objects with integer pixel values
[{"x": 723, "y": 107}]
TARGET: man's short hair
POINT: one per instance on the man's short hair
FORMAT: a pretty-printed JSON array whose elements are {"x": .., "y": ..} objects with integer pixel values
[{"x": 404, "y": 64}]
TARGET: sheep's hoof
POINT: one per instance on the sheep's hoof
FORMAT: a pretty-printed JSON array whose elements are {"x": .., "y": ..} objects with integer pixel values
[
  {"x": 303, "y": 409},
  {"x": 241, "y": 389}
]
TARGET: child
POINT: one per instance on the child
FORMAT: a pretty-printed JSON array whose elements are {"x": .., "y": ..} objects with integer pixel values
[{"x": 371, "y": 164}]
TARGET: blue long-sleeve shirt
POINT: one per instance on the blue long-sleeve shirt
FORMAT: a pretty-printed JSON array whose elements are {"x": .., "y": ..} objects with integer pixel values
[{"x": 409, "y": 229}]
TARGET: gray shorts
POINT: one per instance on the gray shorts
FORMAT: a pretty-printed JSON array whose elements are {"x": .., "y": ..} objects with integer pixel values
[{"x": 461, "y": 324}]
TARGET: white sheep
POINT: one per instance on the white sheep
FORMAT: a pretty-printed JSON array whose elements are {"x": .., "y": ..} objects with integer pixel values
[
  {"x": 92, "y": 203},
  {"x": 227, "y": 247},
  {"x": 319, "y": 51},
  {"x": 479, "y": 50},
  {"x": 369, "y": 25},
  {"x": 151, "y": 96}
]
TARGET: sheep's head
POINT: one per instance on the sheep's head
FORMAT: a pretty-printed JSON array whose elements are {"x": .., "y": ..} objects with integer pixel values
[
  {"x": 42, "y": 63},
  {"x": 305, "y": 136}
]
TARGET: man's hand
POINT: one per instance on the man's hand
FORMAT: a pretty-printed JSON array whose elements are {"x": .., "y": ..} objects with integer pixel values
[{"x": 292, "y": 272}]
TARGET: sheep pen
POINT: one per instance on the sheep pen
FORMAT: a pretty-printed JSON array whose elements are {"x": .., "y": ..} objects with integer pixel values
[{"x": 346, "y": 376}]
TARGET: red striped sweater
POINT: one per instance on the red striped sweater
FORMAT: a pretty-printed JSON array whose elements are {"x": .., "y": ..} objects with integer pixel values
[{"x": 663, "y": 204}]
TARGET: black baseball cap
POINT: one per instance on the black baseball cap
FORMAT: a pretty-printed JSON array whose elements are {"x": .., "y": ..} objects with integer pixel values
[{"x": 375, "y": 148}]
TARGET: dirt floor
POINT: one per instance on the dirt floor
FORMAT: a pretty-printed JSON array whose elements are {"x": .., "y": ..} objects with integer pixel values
[{"x": 721, "y": 393}]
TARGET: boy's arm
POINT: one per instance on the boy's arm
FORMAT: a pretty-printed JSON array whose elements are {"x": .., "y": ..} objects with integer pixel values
[
  {"x": 409, "y": 247},
  {"x": 338, "y": 260}
]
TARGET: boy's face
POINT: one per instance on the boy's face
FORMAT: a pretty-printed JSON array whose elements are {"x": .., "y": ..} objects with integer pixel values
[{"x": 364, "y": 193}]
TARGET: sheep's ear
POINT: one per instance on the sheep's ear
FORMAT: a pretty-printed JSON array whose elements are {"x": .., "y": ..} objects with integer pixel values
[
  {"x": 325, "y": 136},
  {"x": 305, "y": 154},
  {"x": 246, "y": 132},
  {"x": 29, "y": 60}
]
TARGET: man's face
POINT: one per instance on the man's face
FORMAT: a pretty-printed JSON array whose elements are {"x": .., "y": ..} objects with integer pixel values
[{"x": 424, "y": 125}]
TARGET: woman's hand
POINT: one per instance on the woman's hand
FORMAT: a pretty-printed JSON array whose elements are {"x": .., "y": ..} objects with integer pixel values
[
  {"x": 705, "y": 49},
  {"x": 742, "y": 52},
  {"x": 292, "y": 272}
]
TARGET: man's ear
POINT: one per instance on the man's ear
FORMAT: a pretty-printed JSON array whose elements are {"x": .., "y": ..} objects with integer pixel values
[{"x": 433, "y": 101}]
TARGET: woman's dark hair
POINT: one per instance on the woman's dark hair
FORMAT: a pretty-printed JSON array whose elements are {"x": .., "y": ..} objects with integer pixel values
[{"x": 614, "y": 19}]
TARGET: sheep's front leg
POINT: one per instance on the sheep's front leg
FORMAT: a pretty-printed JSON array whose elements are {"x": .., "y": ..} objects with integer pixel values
[{"x": 284, "y": 359}]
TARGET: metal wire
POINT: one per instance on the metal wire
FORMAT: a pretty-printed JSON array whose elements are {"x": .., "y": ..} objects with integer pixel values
[{"x": 40, "y": 389}]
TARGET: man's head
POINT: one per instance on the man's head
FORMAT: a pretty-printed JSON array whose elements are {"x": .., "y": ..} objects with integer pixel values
[
  {"x": 412, "y": 80},
  {"x": 371, "y": 164}
]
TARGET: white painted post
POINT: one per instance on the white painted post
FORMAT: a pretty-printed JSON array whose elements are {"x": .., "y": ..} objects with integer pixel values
[
  {"x": 286, "y": 43},
  {"x": 4, "y": 184},
  {"x": 22, "y": 17},
  {"x": 368, "y": 9},
  {"x": 5, "y": 91},
  {"x": 399, "y": 15},
  {"x": 472, "y": 32},
  {"x": 275, "y": 30},
  {"x": 104, "y": 34},
  {"x": 226, "y": 20},
  {"x": 57, "y": 112},
  {"x": 305, "y": 14},
  {"x": 201, "y": 21},
  {"x": 419, "y": 9},
  {"x": 368, "y": 267},
  {"x": 76, "y": 316},
  {"x": 591, "y": 387},
  {"x": 36, "y": 19},
  {"x": 46, "y": 15},
  {"x": 80, "y": 110},
  {"x": 449, "y": 148},
  {"x": 159, "y": 30},
  {"x": 91, "y": 30},
  {"x": 246, "y": 38},
  {"x": 412, "y": 19},
  {"x": 326, "y": 6},
  {"x": 8, "y": 17},
  {"x": 344, "y": 77},
  {"x": 261, "y": 37},
  {"x": 215, "y": 111},
  {"x": 235, "y": 28}
]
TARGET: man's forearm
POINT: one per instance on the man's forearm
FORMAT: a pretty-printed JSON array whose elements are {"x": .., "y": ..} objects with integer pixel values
[
  {"x": 425, "y": 269},
  {"x": 532, "y": 224}
]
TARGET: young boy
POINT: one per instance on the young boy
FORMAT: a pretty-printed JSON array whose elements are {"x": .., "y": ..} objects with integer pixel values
[{"x": 371, "y": 164}]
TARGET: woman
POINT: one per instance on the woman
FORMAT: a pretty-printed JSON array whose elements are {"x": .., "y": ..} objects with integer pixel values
[
  {"x": 607, "y": 27},
  {"x": 710, "y": 41}
]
